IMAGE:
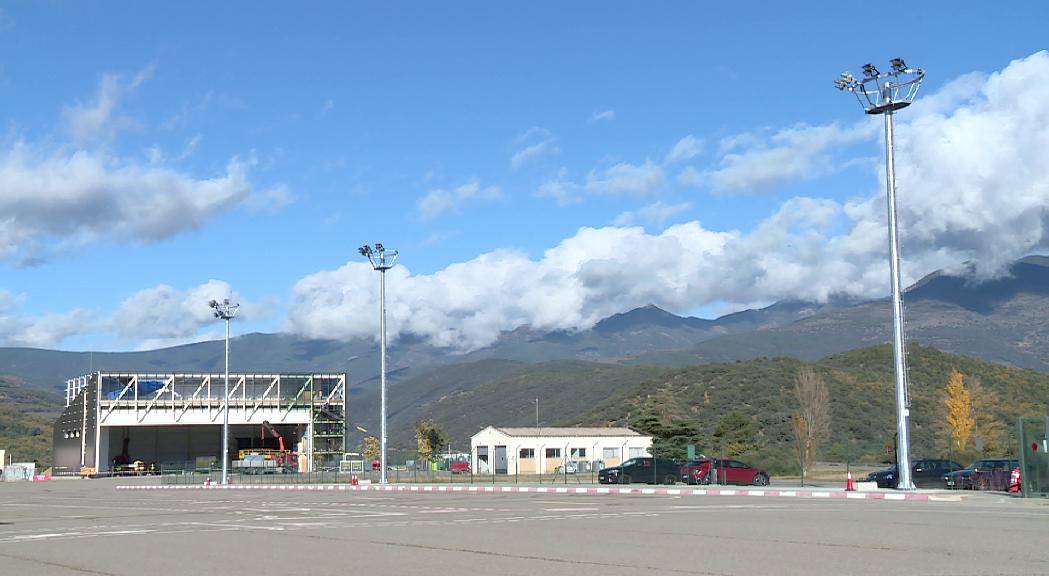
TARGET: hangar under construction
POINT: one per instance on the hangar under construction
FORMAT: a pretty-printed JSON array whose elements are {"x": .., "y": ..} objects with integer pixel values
[{"x": 116, "y": 421}]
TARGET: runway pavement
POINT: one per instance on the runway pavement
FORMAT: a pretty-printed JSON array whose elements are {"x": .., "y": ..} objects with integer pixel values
[{"x": 88, "y": 527}]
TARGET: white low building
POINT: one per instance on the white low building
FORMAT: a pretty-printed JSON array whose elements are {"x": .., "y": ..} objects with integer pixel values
[{"x": 545, "y": 450}]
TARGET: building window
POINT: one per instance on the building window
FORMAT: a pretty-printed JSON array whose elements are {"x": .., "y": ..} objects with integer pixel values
[
  {"x": 526, "y": 453},
  {"x": 553, "y": 452},
  {"x": 610, "y": 453},
  {"x": 578, "y": 453},
  {"x": 637, "y": 452}
]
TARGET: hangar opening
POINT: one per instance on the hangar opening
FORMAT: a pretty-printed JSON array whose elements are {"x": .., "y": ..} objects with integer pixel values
[{"x": 139, "y": 423}]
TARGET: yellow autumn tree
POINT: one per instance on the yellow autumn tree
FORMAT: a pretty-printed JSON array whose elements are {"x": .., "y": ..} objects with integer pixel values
[
  {"x": 370, "y": 448},
  {"x": 959, "y": 402},
  {"x": 988, "y": 426}
]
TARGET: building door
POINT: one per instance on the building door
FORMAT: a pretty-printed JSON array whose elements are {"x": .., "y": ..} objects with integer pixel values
[{"x": 500, "y": 460}]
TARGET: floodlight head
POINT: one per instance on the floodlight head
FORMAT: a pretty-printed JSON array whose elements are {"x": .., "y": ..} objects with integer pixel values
[
  {"x": 878, "y": 92},
  {"x": 365, "y": 250},
  {"x": 379, "y": 248},
  {"x": 213, "y": 303}
]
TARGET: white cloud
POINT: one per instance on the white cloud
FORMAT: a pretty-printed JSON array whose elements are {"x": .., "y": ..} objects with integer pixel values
[
  {"x": 691, "y": 177},
  {"x": 96, "y": 121},
  {"x": 86, "y": 197},
  {"x": 38, "y": 331},
  {"x": 152, "y": 318},
  {"x": 686, "y": 149},
  {"x": 166, "y": 316},
  {"x": 625, "y": 178},
  {"x": 271, "y": 199},
  {"x": 540, "y": 141},
  {"x": 57, "y": 197},
  {"x": 973, "y": 187},
  {"x": 657, "y": 213},
  {"x": 603, "y": 116},
  {"x": 790, "y": 155},
  {"x": 438, "y": 202},
  {"x": 563, "y": 191},
  {"x": 190, "y": 148}
]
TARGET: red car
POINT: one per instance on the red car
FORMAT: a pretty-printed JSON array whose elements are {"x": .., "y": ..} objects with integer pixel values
[
  {"x": 460, "y": 467},
  {"x": 725, "y": 472}
]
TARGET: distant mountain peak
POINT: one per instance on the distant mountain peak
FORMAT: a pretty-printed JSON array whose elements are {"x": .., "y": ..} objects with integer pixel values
[{"x": 650, "y": 315}]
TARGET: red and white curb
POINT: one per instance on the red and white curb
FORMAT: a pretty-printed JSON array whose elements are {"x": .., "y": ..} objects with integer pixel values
[{"x": 838, "y": 495}]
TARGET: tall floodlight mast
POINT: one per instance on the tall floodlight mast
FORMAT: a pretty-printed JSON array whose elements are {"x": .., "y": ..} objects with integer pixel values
[
  {"x": 225, "y": 311},
  {"x": 381, "y": 260},
  {"x": 885, "y": 93}
]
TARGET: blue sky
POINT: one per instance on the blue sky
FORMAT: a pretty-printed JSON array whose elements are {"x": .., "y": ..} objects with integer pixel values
[{"x": 545, "y": 164}]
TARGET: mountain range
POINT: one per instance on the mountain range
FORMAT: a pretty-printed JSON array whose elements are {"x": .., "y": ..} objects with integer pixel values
[{"x": 999, "y": 321}]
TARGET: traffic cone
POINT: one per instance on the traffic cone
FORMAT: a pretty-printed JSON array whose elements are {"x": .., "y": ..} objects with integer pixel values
[
  {"x": 207, "y": 481},
  {"x": 354, "y": 481},
  {"x": 849, "y": 487},
  {"x": 1014, "y": 480}
]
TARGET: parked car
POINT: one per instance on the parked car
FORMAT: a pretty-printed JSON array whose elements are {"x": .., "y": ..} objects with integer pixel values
[
  {"x": 460, "y": 467},
  {"x": 725, "y": 472},
  {"x": 925, "y": 473},
  {"x": 985, "y": 474},
  {"x": 646, "y": 469}
]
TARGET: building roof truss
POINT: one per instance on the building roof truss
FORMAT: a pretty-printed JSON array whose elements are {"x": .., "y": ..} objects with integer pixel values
[
  {"x": 206, "y": 382},
  {"x": 132, "y": 382},
  {"x": 266, "y": 396},
  {"x": 169, "y": 385},
  {"x": 291, "y": 404}
]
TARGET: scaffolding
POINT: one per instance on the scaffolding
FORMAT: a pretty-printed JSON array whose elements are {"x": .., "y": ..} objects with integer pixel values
[{"x": 316, "y": 402}]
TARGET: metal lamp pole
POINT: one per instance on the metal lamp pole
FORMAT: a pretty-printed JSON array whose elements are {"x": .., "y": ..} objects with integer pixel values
[
  {"x": 225, "y": 311},
  {"x": 884, "y": 93},
  {"x": 381, "y": 260}
]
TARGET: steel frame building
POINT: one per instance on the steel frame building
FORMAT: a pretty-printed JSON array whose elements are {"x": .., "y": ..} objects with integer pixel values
[{"x": 169, "y": 418}]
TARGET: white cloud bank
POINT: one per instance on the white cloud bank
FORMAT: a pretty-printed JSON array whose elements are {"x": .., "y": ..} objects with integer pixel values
[
  {"x": 973, "y": 183},
  {"x": 55, "y": 198},
  {"x": 86, "y": 196},
  {"x": 152, "y": 318}
]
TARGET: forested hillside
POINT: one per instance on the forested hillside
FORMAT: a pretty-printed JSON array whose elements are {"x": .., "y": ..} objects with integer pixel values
[{"x": 687, "y": 406}]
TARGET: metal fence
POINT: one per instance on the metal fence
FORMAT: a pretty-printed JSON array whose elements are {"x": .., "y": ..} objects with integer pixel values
[
  {"x": 1034, "y": 456},
  {"x": 397, "y": 475}
]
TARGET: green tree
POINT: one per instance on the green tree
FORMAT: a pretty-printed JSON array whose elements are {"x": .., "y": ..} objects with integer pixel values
[
  {"x": 670, "y": 438},
  {"x": 430, "y": 439},
  {"x": 734, "y": 434}
]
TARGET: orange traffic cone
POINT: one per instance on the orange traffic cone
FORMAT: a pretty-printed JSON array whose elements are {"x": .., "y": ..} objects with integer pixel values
[
  {"x": 849, "y": 487},
  {"x": 353, "y": 480}
]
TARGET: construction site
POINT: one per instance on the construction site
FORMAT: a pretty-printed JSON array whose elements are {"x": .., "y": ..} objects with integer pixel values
[{"x": 117, "y": 423}]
